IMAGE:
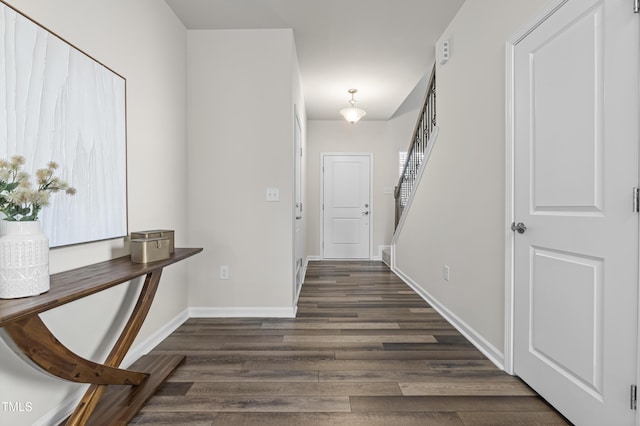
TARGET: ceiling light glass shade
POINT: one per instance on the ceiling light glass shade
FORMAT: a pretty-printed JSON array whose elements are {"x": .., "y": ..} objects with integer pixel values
[{"x": 352, "y": 114}]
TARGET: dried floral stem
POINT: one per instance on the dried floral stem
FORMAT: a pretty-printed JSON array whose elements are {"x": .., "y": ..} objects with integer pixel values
[{"x": 18, "y": 201}]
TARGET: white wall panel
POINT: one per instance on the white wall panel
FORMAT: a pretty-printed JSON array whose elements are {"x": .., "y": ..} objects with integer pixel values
[
  {"x": 146, "y": 43},
  {"x": 241, "y": 124},
  {"x": 457, "y": 217}
]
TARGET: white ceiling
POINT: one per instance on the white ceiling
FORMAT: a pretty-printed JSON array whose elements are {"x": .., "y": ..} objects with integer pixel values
[{"x": 383, "y": 48}]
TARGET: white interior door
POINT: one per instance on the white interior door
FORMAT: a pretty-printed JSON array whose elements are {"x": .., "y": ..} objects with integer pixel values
[
  {"x": 298, "y": 241},
  {"x": 346, "y": 206},
  {"x": 576, "y": 162}
]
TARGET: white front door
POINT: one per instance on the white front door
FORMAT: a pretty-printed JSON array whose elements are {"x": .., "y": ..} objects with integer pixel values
[
  {"x": 576, "y": 162},
  {"x": 346, "y": 206}
]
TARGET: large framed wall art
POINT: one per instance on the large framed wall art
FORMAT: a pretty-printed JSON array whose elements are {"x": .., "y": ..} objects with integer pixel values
[{"x": 59, "y": 104}]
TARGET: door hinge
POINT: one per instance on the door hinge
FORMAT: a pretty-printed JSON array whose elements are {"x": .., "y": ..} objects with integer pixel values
[
  {"x": 636, "y": 197},
  {"x": 634, "y": 397},
  {"x": 636, "y": 6}
]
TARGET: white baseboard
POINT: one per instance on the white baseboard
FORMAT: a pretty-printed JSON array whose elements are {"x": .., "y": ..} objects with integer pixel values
[
  {"x": 490, "y": 351},
  {"x": 299, "y": 290},
  {"x": 313, "y": 259},
  {"x": 243, "y": 312},
  {"x": 304, "y": 271},
  {"x": 381, "y": 249},
  {"x": 60, "y": 412},
  {"x": 142, "y": 348},
  {"x": 65, "y": 408}
]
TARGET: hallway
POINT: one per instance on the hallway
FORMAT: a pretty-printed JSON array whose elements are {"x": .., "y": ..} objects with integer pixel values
[{"x": 364, "y": 350}]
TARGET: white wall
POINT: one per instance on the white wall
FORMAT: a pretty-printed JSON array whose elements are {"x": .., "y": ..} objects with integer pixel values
[
  {"x": 384, "y": 139},
  {"x": 457, "y": 217},
  {"x": 241, "y": 103},
  {"x": 146, "y": 43}
]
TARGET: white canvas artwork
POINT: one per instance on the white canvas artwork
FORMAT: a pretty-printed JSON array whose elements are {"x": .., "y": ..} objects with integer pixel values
[{"x": 58, "y": 104}]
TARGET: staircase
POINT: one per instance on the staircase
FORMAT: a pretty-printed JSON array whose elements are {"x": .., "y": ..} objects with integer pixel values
[{"x": 415, "y": 155}]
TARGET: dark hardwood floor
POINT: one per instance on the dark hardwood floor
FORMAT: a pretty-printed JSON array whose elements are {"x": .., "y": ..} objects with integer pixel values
[{"x": 364, "y": 350}]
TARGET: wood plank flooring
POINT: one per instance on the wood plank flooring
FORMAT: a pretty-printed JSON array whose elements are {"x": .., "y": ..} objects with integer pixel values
[{"x": 364, "y": 350}]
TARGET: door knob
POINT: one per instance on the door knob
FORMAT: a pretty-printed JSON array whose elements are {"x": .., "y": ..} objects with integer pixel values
[{"x": 519, "y": 227}]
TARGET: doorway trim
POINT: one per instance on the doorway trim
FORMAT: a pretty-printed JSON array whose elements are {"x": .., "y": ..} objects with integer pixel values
[
  {"x": 371, "y": 200},
  {"x": 509, "y": 236},
  {"x": 299, "y": 271}
]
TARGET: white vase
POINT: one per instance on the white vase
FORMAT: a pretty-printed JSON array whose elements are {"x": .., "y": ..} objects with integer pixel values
[{"x": 24, "y": 260}]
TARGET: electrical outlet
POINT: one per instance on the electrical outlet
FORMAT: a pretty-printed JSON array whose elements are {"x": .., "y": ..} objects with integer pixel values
[
  {"x": 224, "y": 272},
  {"x": 273, "y": 194},
  {"x": 445, "y": 272}
]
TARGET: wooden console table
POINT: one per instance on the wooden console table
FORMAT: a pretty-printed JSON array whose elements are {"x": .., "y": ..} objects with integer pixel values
[{"x": 21, "y": 320}]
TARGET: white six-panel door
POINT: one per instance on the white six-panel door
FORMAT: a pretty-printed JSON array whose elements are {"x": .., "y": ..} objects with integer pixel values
[
  {"x": 576, "y": 162},
  {"x": 346, "y": 208}
]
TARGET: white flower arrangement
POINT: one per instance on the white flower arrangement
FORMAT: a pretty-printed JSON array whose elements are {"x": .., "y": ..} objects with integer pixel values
[{"x": 18, "y": 200}]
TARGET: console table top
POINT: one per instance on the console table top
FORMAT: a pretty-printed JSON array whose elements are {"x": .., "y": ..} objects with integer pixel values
[{"x": 77, "y": 283}]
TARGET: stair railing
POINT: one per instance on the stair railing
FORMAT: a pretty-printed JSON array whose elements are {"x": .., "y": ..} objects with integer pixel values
[{"x": 415, "y": 154}]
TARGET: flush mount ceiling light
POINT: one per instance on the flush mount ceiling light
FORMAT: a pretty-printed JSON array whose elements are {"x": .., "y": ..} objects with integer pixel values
[{"x": 352, "y": 114}]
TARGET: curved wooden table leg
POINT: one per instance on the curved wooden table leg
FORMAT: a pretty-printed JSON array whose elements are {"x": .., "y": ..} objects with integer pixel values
[
  {"x": 92, "y": 396},
  {"x": 37, "y": 343}
]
